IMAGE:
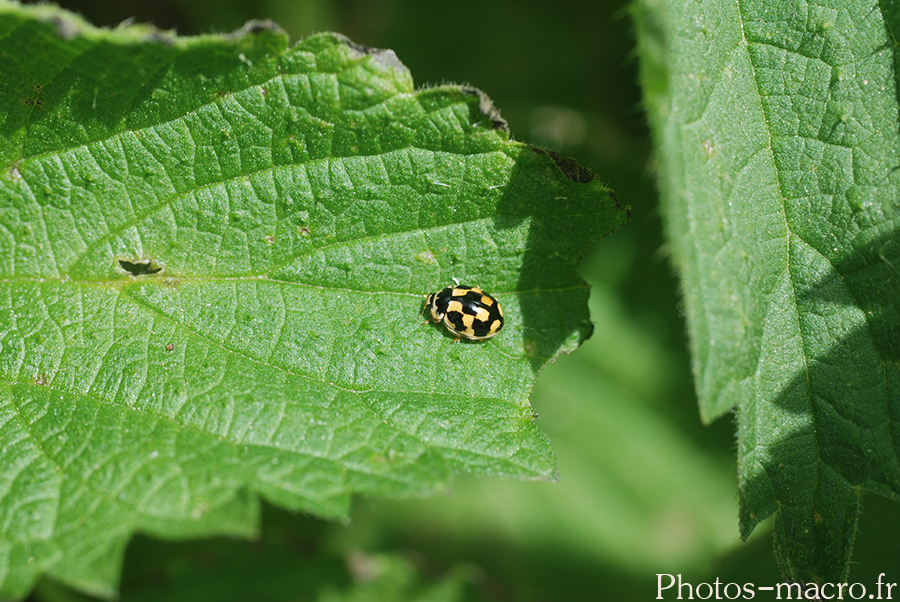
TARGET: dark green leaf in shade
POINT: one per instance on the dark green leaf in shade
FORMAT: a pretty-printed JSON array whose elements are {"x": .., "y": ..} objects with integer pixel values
[{"x": 778, "y": 129}]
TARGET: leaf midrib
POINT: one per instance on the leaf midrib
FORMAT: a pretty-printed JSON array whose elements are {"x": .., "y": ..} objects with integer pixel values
[
  {"x": 787, "y": 251},
  {"x": 787, "y": 269}
]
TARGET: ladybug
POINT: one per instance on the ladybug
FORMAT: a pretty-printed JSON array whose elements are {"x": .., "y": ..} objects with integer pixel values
[{"x": 466, "y": 311}]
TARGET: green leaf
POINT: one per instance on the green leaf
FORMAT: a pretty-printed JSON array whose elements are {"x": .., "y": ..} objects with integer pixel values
[
  {"x": 778, "y": 127},
  {"x": 213, "y": 256}
]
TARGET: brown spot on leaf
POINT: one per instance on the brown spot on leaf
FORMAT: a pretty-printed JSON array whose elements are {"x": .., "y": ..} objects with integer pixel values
[{"x": 140, "y": 267}]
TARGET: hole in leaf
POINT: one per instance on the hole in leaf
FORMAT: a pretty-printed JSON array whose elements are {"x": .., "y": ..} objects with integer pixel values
[{"x": 143, "y": 267}]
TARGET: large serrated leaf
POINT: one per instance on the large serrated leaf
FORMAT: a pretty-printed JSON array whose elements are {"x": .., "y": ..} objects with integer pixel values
[
  {"x": 213, "y": 256},
  {"x": 779, "y": 130}
]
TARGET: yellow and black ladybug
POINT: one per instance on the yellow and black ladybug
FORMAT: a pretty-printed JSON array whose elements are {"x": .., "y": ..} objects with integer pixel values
[{"x": 466, "y": 311}]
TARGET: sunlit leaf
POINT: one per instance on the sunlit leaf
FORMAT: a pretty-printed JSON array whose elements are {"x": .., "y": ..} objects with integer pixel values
[{"x": 213, "y": 256}]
